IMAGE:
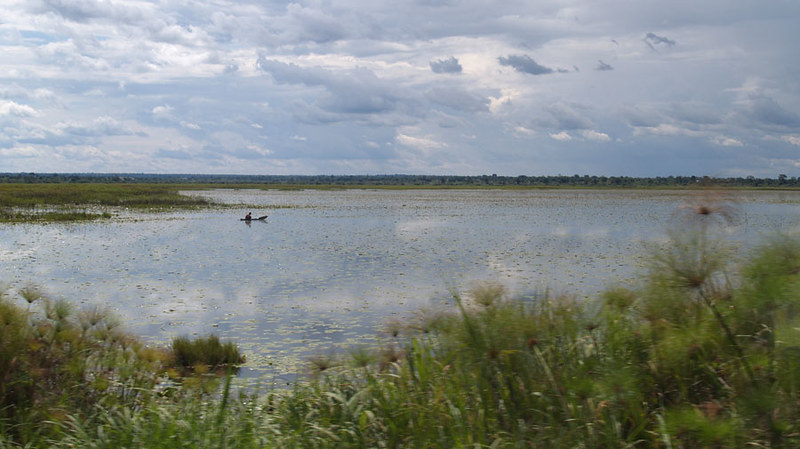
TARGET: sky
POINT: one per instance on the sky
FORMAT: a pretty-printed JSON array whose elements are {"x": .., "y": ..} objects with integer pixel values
[{"x": 440, "y": 87}]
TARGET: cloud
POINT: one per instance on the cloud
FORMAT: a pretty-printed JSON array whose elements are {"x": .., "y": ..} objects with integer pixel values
[
  {"x": 18, "y": 110},
  {"x": 16, "y": 91},
  {"x": 525, "y": 64},
  {"x": 310, "y": 24},
  {"x": 101, "y": 126},
  {"x": 794, "y": 140},
  {"x": 653, "y": 40},
  {"x": 349, "y": 91},
  {"x": 668, "y": 130},
  {"x": 182, "y": 155},
  {"x": 163, "y": 112},
  {"x": 565, "y": 116},
  {"x": 696, "y": 113},
  {"x": 419, "y": 143},
  {"x": 562, "y": 136},
  {"x": 602, "y": 66},
  {"x": 190, "y": 125},
  {"x": 449, "y": 65},
  {"x": 727, "y": 141},
  {"x": 224, "y": 85},
  {"x": 766, "y": 111},
  {"x": 596, "y": 136},
  {"x": 458, "y": 98}
]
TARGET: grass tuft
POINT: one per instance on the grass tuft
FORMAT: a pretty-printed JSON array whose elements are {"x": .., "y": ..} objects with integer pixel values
[{"x": 206, "y": 351}]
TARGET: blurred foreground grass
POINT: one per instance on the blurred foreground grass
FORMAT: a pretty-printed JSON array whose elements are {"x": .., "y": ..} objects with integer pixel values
[{"x": 704, "y": 353}]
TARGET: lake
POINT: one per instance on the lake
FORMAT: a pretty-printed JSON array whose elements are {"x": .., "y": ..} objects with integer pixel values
[{"x": 329, "y": 268}]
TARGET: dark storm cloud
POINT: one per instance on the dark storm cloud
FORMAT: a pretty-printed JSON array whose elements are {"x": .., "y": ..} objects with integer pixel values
[
  {"x": 449, "y": 65},
  {"x": 652, "y": 40},
  {"x": 524, "y": 64}
]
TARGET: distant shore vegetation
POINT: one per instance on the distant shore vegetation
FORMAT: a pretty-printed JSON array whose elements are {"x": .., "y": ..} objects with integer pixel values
[
  {"x": 52, "y": 197},
  {"x": 703, "y": 352},
  {"x": 434, "y": 181}
]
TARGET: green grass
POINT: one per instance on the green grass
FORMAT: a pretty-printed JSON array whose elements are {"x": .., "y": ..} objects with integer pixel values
[
  {"x": 70, "y": 202},
  {"x": 208, "y": 351},
  {"x": 704, "y": 353}
]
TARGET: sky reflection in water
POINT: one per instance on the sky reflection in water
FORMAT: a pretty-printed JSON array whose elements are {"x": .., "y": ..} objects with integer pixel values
[{"x": 328, "y": 268}]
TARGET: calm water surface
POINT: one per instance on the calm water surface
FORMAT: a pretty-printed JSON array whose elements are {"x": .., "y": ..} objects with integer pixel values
[{"x": 329, "y": 268}]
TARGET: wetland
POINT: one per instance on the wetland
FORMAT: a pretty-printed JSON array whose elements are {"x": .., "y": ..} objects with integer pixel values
[{"x": 329, "y": 269}]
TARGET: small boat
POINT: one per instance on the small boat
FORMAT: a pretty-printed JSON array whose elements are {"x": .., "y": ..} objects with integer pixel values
[{"x": 262, "y": 218}]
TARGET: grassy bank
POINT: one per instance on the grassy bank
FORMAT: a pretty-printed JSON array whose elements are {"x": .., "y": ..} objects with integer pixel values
[
  {"x": 704, "y": 353},
  {"x": 71, "y": 202}
]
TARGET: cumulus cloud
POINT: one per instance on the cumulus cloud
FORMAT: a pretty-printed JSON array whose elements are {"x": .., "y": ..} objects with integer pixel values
[
  {"x": 162, "y": 111},
  {"x": 597, "y": 136},
  {"x": 19, "y": 110},
  {"x": 562, "y": 136},
  {"x": 525, "y": 64},
  {"x": 449, "y": 65}
]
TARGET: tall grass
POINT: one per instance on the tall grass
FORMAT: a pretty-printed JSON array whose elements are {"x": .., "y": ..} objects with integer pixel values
[
  {"x": 208, "y": 351},
  {"x": 705, "y": 353},
  {"x": 60, "y": 366}
]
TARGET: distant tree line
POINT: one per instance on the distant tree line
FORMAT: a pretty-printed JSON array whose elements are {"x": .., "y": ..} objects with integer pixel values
[{"x": 782, "y": 181}]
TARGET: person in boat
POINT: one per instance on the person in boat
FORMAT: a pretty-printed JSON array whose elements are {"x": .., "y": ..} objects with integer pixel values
[{"x": 248, "y": 217}]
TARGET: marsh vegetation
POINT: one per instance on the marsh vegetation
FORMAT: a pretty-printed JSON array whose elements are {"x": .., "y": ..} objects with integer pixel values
[
  {"x": 78, "y": 202},
  {"x": 704, "y": 351}
]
